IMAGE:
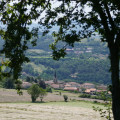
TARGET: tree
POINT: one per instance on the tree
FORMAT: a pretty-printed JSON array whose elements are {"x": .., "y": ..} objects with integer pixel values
[
  {"x": 65, "y": 98},
  {"x": 42, "y": 84},
  {"x": 34, "y": 91},
  {"x": 49, "y": 89},
  {"x": 16, "y": 17},
  {"x": 8, "y": 83},
  {"x": 42, "y": 94},
  {"x": 76, "y": 22},
  {"x": 28, "y": 79}
]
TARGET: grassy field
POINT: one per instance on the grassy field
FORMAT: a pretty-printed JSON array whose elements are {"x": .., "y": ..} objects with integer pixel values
[
  {"x": 15, "y": 107},
  {"x": 48, "y": 111}
]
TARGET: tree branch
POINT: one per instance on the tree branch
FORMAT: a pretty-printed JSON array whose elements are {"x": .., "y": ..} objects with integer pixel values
[{"x": 109, "y": 16}]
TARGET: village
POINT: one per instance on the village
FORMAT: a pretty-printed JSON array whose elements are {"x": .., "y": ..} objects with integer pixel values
[{"x": 88, "y": 88}]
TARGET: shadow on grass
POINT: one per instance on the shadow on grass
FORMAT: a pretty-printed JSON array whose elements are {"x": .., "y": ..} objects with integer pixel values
[{"x": 39, "y": 102}]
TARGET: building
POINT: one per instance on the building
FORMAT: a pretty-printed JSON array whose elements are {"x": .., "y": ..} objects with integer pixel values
[
  {"x": 102, "y": 87},
  {"x": 55, "y": 86},
  {"x": 88, "y": 85},
  {"x": 55, "y": 78},
  {"x": 91, "y": 91},
  {"x": 73, "y": 84},
  {"x": 49, "y": 82},
  {"x": 71, "y": 88}
]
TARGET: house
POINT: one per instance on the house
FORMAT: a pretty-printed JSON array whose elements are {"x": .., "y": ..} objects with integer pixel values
[
  {"x": 55, "y": 86},
  {"x": 69, "y": 50},
  {"x": 79, "y": 52},
  {"x": 71, "y": 88},
  {"x": 90, "y": 91},
  {"x": 88, "y": 85},
  {"x": 67, "y": 85},
  {"x": 73, "y": 84},
  {"x": 102, "y": 87},
  {"x": 99, "y": 91},
  {"x": 49, "y": 82},
  {"x": 88, "y": 51}
]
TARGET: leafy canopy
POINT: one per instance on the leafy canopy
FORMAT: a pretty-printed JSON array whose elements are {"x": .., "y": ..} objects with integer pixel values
[
  {"x": 16, "y": 17},
  {"x": 81, "y": 19}
]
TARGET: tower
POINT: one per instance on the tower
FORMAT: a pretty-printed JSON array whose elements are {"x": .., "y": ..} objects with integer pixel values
[{"x": 55, "y": 78}]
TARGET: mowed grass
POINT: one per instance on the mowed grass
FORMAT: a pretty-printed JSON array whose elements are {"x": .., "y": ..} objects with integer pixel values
[
  {"x": 48, "y": 111},
  {"x": 15, "y": 107}
]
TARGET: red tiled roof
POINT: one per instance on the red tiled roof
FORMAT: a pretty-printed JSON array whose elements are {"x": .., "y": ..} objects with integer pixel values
[
  {"x": 90, "y": 90},
  {"x": 88, "y": 84},
  {"x": 55, "y": 85},
  {"x": 71, "y": 88}
]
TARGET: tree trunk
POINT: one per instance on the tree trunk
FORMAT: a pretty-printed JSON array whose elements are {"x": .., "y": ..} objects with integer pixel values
[
  {"x": 33, "y": 99},
  {"x": 114, "y": 52}
]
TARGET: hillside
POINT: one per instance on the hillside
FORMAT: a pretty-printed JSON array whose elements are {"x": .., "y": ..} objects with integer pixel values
[{"x": 86, "y": 62}]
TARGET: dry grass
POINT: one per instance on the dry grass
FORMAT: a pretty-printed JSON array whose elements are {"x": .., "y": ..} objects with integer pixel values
[
  {"x": 8, "y": 95},
  {"x": 24, "y": 110},
  {"x": 30, "y": 111}
]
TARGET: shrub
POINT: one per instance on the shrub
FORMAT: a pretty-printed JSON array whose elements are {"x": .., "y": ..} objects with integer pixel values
[
  {"x": 42, "y": 84},
  {"x": 34, "y": 91},
  {"x": 75, "y": 91},
  {"x": 65, "y": 98},
  {"x": 8, "y": 83},
  {"x": 85, "y": 96},
  {"x": 42, "y": 94},
  {"x": 49, "y": 89}
]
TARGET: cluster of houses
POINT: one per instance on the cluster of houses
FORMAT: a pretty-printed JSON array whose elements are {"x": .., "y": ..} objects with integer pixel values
[
  {"x": 88, "y": 88},
  {"x": 80, "y": 51}
]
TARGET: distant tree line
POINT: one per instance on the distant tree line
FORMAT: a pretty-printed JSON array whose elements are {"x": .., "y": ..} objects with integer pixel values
[{"x": 80, "y": 70}]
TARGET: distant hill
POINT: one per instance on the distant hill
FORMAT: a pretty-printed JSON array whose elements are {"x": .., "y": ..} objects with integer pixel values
[{"x": 86, "y": 62}]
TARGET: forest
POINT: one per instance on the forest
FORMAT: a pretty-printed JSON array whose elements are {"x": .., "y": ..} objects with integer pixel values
[{"x": 86, "y": 62}]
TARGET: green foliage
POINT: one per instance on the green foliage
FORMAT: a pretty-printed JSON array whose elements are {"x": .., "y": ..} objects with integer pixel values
[
  {"x": 107, "y": 112},
  {"x": 75, "y": 91},
  {"x": 16, "y": 19},
  {"x": 42, "y": 94},
  {"x": 28, "y": 79},
  {"x": 83, "y": 69},
  {"x": 34, "y": 91},
  {"x": 65, "y": 98},
  {"x": 85, "y": 96},
  {"x": 31, "y": 79},
  {"x": 42, "y": 84},
  {"x": 8, "y": 83},
  {"x": 18, "y": 86},
  {"x": 74, "y": 22},
  {"x": 49, "y": 89},
  {"x": 18, "y": 83}
]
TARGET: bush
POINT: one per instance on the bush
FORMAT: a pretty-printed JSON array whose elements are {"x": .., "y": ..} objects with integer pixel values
[
  {"x": 8, "y": 83},
  {"x": 85, "y": 96},
  {"x": 34, "y": 91},
  {"x": 65, "y": 98},
  {"x": 49, "y": 89},
  {"x": 42, "y": 84},
  {"x": 42, "y": 94},
  {"x": 75, "y": 91}
]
